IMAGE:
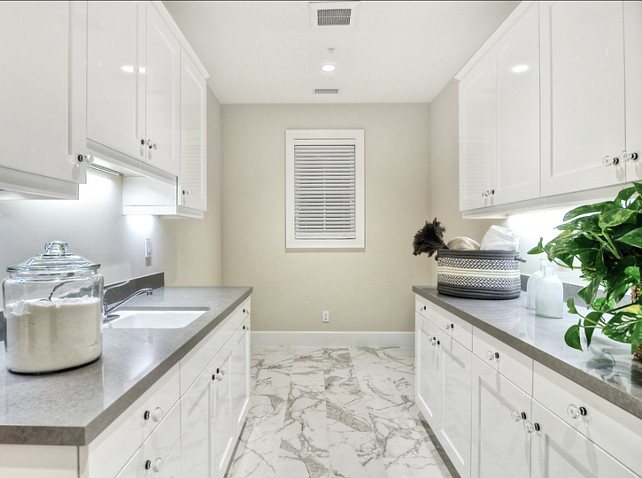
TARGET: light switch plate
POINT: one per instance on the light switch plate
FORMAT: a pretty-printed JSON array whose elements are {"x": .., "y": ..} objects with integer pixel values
[{"x": 148, "y": 247}]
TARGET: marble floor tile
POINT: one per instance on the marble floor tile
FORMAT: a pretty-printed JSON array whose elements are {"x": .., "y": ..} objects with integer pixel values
[{"x": 334, "y": 413}]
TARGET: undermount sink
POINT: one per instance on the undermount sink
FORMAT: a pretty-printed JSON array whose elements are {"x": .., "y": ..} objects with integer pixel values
[{"x": 154, "y": 318}]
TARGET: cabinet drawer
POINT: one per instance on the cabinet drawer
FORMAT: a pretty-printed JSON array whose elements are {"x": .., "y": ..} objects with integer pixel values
[
  {"x": 605, "y": 424},
  {"x": 111, "y": 450},
  {"x": 457, "y": 328},
  {"x": 513, "y": 365},
  {"x": 197, "y": 359},
  {"x": 153, "y": 457},
  {"x": 421, "y": 306}
]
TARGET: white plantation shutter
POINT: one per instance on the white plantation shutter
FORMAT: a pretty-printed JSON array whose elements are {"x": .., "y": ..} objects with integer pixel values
[{"x": 324, "y": 189}]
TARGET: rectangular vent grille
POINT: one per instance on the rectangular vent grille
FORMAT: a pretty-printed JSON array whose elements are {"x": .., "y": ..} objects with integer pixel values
[
  {"x": 334, "y": 17},
  {"x": 326, "y": 91}
]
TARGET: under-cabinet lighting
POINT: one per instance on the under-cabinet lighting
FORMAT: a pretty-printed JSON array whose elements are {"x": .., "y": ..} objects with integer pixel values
[
  {"x": 328, "y": 68},
  {"x": 103, "y": 169},
  {"x": 127, "y": 68}
]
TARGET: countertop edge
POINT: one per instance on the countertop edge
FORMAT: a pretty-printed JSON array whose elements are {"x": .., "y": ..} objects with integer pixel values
[{"x": 618, "y": 397}]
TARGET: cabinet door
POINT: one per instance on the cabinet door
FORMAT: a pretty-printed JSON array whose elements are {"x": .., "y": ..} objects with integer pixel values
[
  {"x": 162, "y": 100},
  {"x": 37, "y": 40},
  {"x": 558, "y": 450},
  {"x": 475, "y": 135},
  {"x": 429, "y": 370},
  {"x": 515, "y": 78},
  {"x": 193, "y": 174},
  {"x": 195, "y": 425},
  {"x": 633, "y": 62},
  {"x": 501, "y": 445},
  {"x": 582, "y": 74},
  {"x": 454, "y": 429},
  {"x": 221, "y": 424},
  {"x": 115, "y": 76},
  {"x": 240, "y": 374}
]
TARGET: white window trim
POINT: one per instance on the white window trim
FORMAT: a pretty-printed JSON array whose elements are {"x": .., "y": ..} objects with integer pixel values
[{"x": 356, "y": 135}]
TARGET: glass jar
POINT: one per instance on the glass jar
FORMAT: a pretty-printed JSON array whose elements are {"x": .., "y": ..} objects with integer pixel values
[
  {"x": 549, "y": 295},
  {"x": 53, "y": 312}
]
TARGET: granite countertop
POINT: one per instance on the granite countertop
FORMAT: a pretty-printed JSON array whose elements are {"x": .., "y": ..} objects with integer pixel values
[
  {"x": 74, "y": 407},
  {"x": 608, "y": 368}
]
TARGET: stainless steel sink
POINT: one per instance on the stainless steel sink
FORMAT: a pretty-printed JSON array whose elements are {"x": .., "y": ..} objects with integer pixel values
[{"x": 153, "y": 318}]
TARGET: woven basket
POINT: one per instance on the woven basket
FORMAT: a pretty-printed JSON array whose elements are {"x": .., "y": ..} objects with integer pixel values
[{"x": 478, "y": 274}]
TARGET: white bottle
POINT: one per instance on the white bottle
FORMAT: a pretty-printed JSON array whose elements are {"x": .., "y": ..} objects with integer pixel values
[
  {"x": 549, "y": 295},
  {"x": 530, "y": 285}
]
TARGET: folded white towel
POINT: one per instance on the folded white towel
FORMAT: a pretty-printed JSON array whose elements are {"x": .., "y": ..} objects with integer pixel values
[{"x": 499, "y": 238}]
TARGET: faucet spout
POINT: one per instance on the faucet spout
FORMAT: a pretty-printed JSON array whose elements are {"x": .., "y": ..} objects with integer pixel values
[{"x": 107, "y": 308}]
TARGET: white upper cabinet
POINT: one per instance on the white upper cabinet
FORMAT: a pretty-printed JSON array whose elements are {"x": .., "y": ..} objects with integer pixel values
[
  {"x": 583, "y": 97},
  {"x": 116, "y": 77},
  {"x": 162, "y": 98},
  {"x": 515, "y": 83},
  {"x": 499, "y": 117},
  {"x": 37, "y": 57},
  {"x": 192, "y": 187},
  {"x": 475, "y": 119},
  {"x": 133, "y": 87},
  {"x": 633, "y": 87}
]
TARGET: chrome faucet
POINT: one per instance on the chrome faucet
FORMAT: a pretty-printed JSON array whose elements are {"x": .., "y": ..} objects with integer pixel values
[{"x": 107, "y": 308}]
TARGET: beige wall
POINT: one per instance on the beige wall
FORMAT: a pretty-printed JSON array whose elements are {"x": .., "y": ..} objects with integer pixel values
[
  {"x": 444, "y": 171},
  {"x": 369, "y": 291},
  {"x": 197, "y": 245}
]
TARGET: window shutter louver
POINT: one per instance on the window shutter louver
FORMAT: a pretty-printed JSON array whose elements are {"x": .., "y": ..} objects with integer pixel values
[{"x": 324, "y": 191}]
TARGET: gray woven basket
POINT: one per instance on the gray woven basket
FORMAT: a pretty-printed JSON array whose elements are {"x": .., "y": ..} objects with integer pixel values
[{"x": 478, "y": 274}]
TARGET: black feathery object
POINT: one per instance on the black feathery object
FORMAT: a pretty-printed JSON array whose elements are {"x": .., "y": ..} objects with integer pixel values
[{"x": 429, "y": 239}]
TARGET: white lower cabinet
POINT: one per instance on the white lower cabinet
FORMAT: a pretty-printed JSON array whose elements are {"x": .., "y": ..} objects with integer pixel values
[
  {"x": 195, "y": 428},
  {"x": 499, "y": 414},
  {"x": 214, "y": 407},
  {"x": 500, "y": 444},
  {"x": 443, "y": 383},
  {"x": 157, "y": 456},
  {"x": 221, "y": 424},
  {"x": 558, "y": 450}
]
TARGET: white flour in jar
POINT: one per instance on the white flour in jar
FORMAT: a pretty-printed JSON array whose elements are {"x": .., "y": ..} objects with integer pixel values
[{"x": 44, "y": 336}]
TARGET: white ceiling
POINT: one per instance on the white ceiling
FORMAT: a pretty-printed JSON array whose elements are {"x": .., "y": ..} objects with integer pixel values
[{"x": 399, "y": 52}]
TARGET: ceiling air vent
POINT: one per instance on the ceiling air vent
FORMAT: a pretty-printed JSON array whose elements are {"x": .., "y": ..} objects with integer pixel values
[
  {"x": 333, "y": 14},
  {"x": 326, "y": 91}
]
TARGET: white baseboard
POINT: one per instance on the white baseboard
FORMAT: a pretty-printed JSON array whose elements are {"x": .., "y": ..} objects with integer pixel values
[{"x": 334, "y": 339}]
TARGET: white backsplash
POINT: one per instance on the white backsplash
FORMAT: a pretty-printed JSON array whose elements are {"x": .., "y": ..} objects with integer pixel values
[
  {"x": 93, "y": 226},
  {"x": 530, "y": 227}
]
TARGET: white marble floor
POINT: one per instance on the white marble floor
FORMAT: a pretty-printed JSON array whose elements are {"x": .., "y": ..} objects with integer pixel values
[{"x": 334, "y": 412}]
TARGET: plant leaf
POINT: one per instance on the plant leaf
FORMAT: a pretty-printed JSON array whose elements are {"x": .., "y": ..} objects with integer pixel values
[
  {"x": 570, "y": 303},
  {"x": 633, "y": 238},
  {"x": 586, "y": 209},
  {"x": 614, "y": 216},
  {"x": 636, "y": 335},
  {"x": 633, "y": 272},
  {"x": 539, "y": 248},
  {"x": 624, "y": 195},
  {"x": 572, "y": 337}
]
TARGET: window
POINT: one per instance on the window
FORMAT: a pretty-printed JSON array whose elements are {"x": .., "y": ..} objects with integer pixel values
[{"x": 324, "y": 189}]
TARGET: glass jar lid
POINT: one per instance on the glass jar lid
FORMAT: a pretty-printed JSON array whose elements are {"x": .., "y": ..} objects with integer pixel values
[{"x": 55, "y": 260}]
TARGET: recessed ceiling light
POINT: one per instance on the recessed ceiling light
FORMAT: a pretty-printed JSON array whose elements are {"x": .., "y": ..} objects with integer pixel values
[
  {"x": 328, "y": 68},
  {"x": 520, "y": 68}
]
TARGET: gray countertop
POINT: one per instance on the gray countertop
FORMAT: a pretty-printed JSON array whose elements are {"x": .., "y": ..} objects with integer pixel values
[
  {"x": 608, "y": 368},
  {"x": 74, "y": 407}
]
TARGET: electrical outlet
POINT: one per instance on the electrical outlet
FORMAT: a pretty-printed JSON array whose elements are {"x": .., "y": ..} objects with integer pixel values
[
  {"x": 325, "y": 316},
  {"x": 148, "y": 247}
]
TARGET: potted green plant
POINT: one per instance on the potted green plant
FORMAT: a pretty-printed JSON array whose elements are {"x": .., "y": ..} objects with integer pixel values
[{"x": 604, "y": 241}]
